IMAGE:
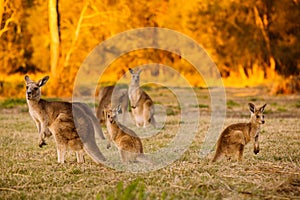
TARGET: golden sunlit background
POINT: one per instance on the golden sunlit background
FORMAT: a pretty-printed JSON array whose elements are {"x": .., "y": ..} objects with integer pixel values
[{"x": 253, "y": 42}]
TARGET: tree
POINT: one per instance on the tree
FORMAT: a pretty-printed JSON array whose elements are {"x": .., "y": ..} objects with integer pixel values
[
  {"x": 15, "y": 47},
  {"x": 54, "y": 27},
  {"x": 252, "y": 33}
]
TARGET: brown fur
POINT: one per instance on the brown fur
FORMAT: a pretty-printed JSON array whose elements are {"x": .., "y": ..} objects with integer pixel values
[
  {"x": 142, "y": 106},
  {"x": 106, "y": 95},
  {"x": 129, "y": 144},
  {"x": 233, "y": 139},
  {"x": 57, "y": 118}
]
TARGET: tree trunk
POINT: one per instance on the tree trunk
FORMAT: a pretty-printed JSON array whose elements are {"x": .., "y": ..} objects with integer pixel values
[
  {"x": 263, "y": 23},
  {"x": 242, "y": 72},
  {"x": 1, "y": 11},
  {"x": 54, "y": 35}
]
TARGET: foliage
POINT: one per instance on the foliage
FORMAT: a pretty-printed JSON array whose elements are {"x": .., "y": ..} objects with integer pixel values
[
  {"x": 15, "y": 45},
  {"x": 135, "y": 190},
  {"x": 251, "y": 41},
  {"x": 249, "y": 33}
]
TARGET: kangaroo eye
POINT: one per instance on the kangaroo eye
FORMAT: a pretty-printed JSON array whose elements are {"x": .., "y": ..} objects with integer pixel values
[
  {"x": 257, "y": 116},
  {"x": 35, "y": 88},
  {"x": 27, "y": 87}
]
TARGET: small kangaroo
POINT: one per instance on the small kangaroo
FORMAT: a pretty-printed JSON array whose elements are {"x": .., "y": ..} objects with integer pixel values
[
  {"x": 141, "y": 104},
  {"x": 233, "y": 139},
  {"x": 57, "y": 118},
  {"x": 106, "y": 98},
  {"x": 128, "y": 143}
]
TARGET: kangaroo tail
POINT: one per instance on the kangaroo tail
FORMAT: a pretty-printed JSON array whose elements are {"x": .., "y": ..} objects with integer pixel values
[
  {"x": 97, "y": 128},
  {"x": 85, "y": 130},
  {"x": 91, "y": 148},
  {"x": 93, "y": 151}
]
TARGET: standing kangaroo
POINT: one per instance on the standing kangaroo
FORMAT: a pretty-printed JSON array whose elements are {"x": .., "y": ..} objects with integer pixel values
[
  {"x": 128, "y": 143},
  {"x": 234, "y": 138},
  {"x": 57, "y": 118},
  {"x": 107, "y": 98},
  {"x": 142, "y": 106}
]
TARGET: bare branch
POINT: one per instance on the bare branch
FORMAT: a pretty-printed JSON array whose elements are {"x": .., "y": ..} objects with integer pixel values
[
  {"x": 76, "y": 35},
  {"x": 6, "y": 26}
]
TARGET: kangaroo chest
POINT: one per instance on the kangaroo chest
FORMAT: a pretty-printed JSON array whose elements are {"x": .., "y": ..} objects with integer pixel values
[
  {"x": 134, "y": 93},
  {"x": 253, "y": 132},
  {"x": 113, "y": 131},
  {"x": 36, "y": 113}
]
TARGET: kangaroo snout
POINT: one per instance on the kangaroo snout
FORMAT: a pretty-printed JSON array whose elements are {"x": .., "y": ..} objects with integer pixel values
[
  {"x": 263, "y": 121},
  {"x": 29, "y": 95}
]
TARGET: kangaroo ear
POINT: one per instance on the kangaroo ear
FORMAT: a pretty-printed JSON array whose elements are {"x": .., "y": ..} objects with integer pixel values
[
  {"x": 43, "y": 81},
  {"x": 261, "y": 109},
  {"x": 251, "y": 107},
  {"x": 107, "y": 107},
  {"x": 131, "y": 71},
  {"x": 118, "y": 109},
  {"x": 27, "y": 79}
]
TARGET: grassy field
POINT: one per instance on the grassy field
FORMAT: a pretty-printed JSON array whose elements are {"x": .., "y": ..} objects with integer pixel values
[{"x": 30, "y": 172}]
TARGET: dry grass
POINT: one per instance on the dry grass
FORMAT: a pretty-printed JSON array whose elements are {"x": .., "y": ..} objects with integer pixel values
[{"x": 29, "y": 172}]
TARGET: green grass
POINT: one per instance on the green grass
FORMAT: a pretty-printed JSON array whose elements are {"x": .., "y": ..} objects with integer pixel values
[
  {"x": 253, "y": 99},
  {"x": 93, "y": 105},
  {"x": 281, "y": 109},
  {"x": 30, "y": 172},
  {"x": 231, "y": 104},
  {"x": 200, "y": 106},
  {"x": 203, "y": 106},
  {"x": 172, "y": 110},
  {"x": 146, "y": 87},
  {"x": 297, "y": 104},
  {"x": 11, "y": 103},
  {"x": 134, "y": 190}
]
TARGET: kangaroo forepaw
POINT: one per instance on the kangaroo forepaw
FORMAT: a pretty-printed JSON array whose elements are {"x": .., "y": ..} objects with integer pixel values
[
  {"x": 42, "y": 143},
  {"x": 108, "y": 146}
]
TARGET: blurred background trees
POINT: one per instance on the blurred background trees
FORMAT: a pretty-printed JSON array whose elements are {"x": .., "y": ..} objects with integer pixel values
[{"x": 252, "y": 41}]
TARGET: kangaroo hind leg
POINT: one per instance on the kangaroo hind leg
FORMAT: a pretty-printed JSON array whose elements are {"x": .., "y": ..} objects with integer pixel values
[{"x": 80, "y": 156}]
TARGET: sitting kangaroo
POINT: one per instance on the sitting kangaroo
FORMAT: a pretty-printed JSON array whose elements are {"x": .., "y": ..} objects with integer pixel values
[
  {"x": 57, "y": 118},
  {"x": 128, "y": 143},
  {"x": 142, "y": 106},
  {"x": 234, "y": 138}
]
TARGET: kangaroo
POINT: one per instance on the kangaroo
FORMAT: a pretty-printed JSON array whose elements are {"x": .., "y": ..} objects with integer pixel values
[
  {"x": 141, "y": 104},
  {"x": 106, "y": 98},
  {"x": 128, "y": 143},
  {"x": 56, "y": 118},
  {"x": 234, "y": 138},
  {"x": 89, "y": 113}
]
